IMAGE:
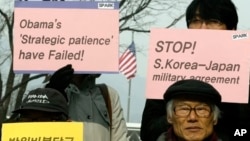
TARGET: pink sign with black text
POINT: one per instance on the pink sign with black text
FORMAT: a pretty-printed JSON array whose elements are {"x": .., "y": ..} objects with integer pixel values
[
  {"x": 219, "y": 57},
  {"x": 49, "y": 35}
]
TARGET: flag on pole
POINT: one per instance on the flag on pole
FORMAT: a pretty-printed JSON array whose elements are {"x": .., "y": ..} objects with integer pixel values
[{"x": 127, "y": 62}]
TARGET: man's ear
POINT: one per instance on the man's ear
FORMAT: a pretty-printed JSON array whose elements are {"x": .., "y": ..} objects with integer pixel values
[
  {"x": 169, "y": 119},
  {"x": 215, "y": 122}
]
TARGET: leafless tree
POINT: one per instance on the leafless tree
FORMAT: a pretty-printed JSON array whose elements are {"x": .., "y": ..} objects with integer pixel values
[
  {"x": 7, "y": 19},
  {"x": 139, "y": 16}
]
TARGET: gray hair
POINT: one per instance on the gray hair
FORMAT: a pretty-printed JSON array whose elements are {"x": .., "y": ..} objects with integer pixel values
[{"x": 215, "y": 109}]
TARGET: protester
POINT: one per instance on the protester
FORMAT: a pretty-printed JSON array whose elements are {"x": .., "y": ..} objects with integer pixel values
[
  {"x": 42, "y": 104},
  {"x": 212, "y": 14},
  {"x": 201, "y": 14},
  {"x": 192, "y": 110},
  {"x": 87, "y": 104}
]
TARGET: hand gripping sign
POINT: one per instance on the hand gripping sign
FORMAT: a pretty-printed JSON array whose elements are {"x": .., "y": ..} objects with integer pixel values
[
  {"x": 218, "y": 57},
  {"x": 49, "y": 35}
]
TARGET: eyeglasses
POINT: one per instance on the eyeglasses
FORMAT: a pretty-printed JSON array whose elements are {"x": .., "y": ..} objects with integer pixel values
[
  {"x": 202, "y": 111},
  {"x": 209, "y": 23}
]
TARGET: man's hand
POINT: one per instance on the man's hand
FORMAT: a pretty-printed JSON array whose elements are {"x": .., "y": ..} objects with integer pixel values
[{"x": 61, "y": 79}]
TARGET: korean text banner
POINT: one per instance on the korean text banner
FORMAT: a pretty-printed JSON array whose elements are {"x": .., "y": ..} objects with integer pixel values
[
  {"x": 49, "y": 35},
  {"x": 43, "y": 131},
  {"x": 218, "y": 57}
]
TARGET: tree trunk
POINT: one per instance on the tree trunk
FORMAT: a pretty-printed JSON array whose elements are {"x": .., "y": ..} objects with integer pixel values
[
  {"x": 9, "y": 86},
  {"x": 1, "y": 107},
  {"x": 1, "y": 85},
  {"x": 22, "y": 90}
]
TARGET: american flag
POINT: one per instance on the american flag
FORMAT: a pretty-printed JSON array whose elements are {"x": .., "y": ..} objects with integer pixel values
[{"x": 127, "y": 62}]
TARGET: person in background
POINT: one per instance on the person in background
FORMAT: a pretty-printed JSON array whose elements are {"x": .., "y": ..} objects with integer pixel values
[
  {"x": 87, "y": 104},
  {"x": 201, "y": 14},
  {"x": 40, "y": 105},
  {"x": 192, "y": 110},
  {"x": 153, "y": 121}
]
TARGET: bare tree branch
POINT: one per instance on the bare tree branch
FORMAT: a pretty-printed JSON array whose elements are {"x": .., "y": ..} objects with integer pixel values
[
  {"x": 19, "y": 85},
  {"x": 175, "y": 21},
  {"x": 10, "y": 27}
]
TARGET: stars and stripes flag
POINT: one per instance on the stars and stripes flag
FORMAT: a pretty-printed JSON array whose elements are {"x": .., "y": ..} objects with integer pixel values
[{"x": 127, "y": 62}]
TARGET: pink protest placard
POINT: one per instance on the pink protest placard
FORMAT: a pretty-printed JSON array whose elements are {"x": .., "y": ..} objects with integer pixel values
[
  {"x": 218, "y": 57},
  {"x": 49, "y": 35}
]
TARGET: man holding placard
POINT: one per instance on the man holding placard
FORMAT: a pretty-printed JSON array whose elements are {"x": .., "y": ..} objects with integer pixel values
[
  {"x": 40, "y": 109},
  {"x": 76, "y": 42},
  {"x": 97, "y": 107},
  {"x": 201, "y": 14}
]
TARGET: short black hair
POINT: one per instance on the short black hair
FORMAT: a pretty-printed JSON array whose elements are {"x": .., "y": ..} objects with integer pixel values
[{"x": 223, "y": 10}]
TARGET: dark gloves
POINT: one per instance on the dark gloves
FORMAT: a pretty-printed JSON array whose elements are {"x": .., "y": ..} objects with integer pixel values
[{"x": 61, "y": 79}]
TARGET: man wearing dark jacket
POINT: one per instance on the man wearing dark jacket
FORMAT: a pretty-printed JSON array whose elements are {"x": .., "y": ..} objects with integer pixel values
[{"x": 192, "y": 110}]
